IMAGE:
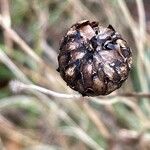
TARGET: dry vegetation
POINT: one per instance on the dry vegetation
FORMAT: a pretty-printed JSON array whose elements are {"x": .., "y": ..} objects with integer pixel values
[{"x": 30, "y": 31}]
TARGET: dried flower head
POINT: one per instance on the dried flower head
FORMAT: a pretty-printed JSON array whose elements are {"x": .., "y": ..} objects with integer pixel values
[{"x": 94, "y": 60}]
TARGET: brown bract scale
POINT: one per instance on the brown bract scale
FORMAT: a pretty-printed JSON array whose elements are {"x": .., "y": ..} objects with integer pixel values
[{"x": 94, "y": 60}]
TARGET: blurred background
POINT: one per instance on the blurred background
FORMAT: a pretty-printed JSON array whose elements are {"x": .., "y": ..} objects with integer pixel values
[{"x": 30, "y": 34}]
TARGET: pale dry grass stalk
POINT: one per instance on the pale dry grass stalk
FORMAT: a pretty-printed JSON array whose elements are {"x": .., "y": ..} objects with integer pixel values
[
  {"x": 53, "y": 108},
  {"x": 20, "y": 75},
  {"x": 96, "y": 119},
  {"x": 104, "y": 101},
  {"x": 12, "y": 133},
  {"x": 49, "y": 71},
  {"x": 82, "y": 10},
  {"x": 48, "y": 104},
  {"x": 137, "y": 110},
  {"x": 2, "y": 147},
  {"x": 16, "y": 99},
  {"x": 34, "y": 76},
  {"x": 141, "y": 42},
  {"x": 16, "y": 71},
  {"x": 139, "y": 34},
  {"x": 43, "y": 23},
  {"x": 89, "y": 110},
  {"x": 142, "y": 18},
  {"x": 139, "y": 37},
  {"x": 135, "y": 31},
  {"x": 15, "y": 37},
  {"x": 108, "y": 11},
  {"x": 132, "y": 135},
  {"x": 4, "y": 5},
  {"x": 128, "y": 102},
  {"x": 82, "y": 134},
  {"x": 128, "y": 94},
  {"x": 76, "y": 132},
  {"x": 135, "y": 28},
  {"x": 128, "y": 17},
  {"x": 18, "y": 86}
]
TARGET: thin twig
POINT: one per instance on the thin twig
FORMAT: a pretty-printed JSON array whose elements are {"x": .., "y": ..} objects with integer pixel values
[
  {"x": 133, "y": 94},
  {"x": 18, "y": 86}
]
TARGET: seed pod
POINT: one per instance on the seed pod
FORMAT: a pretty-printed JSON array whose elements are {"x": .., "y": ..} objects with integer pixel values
[{"x": 94, "y": 60}]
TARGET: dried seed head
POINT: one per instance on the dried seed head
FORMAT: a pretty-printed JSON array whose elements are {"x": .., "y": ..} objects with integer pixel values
[{"x": 94, "y": 60}]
